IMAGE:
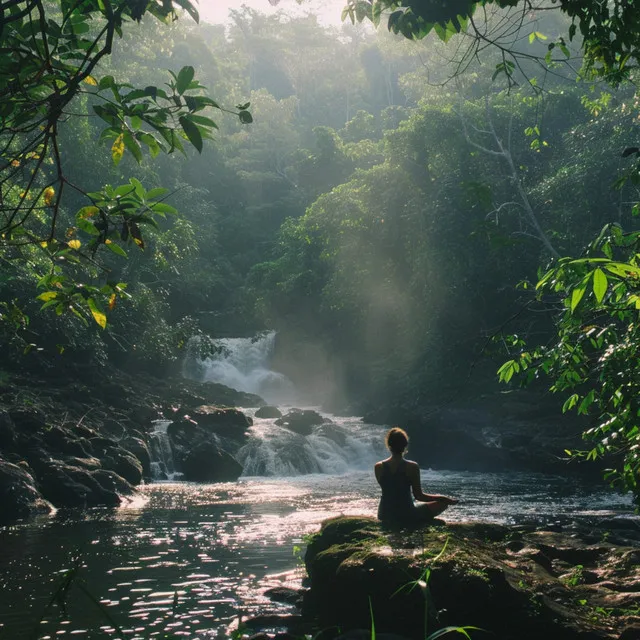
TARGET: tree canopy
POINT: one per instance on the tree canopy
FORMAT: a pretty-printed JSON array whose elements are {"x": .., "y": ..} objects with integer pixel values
[
  {"x": 608, "y": 33},
  {"x": 49, "y": 77}
]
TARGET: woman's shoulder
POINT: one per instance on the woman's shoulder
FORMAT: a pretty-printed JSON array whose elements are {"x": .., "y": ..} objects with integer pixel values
[{"x": 412, "y": 464}]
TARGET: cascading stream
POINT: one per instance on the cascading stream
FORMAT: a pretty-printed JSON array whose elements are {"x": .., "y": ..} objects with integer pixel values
[
  {"x": 242, "y": 364},
  {"x": 336, "y": 447},
  {"x": 162, "y": 462}
]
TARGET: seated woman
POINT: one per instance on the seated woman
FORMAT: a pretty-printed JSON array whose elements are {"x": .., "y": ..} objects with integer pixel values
[{"x": 398, "y": 478}]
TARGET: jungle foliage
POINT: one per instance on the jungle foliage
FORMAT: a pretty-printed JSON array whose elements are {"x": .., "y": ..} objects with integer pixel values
[
  {"x": 378, "y": 219},
  {"x": 608, "y": 32}
]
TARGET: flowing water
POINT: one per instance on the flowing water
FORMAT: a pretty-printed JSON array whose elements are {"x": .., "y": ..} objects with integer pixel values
[
  {"x": 185, "y": 560},
  {"x": 188, "y": 559},
  {"x": 163, "y": 466},
  {"x": 242, "y": 364}
]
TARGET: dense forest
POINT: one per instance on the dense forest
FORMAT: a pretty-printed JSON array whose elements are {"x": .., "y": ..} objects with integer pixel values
[
  {"x": 385, "y": 212},
  {"x": 424, "y": 216}
]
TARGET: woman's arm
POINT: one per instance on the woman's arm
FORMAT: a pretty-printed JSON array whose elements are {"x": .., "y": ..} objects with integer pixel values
[
  {"x": 378, "y": 471},
  {"x": 416, "y": 487}
]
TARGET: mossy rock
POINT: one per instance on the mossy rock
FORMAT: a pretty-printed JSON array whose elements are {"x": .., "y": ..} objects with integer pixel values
[{"x": 466, "y": 574}]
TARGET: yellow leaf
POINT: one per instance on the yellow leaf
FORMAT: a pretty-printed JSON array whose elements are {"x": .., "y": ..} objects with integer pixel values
[
  {"x": 112, "y": 302},
  {"x": 74, "y": 244},
  {"x": 97, "y": 314},
  {"x": 91, "y": 80},
  {"x": 117, "y": 150},
  {"x": 48, "y": 195},
  {"x": 99, "y": 317},
  {"x": 15, "y": 163},
  {"x": 48, "y": 295},
  {"x": 44, "y": 244},
  {"x": 87, "y": 212}
]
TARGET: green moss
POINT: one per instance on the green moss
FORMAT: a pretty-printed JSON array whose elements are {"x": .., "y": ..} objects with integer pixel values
[{"x": 478, "y": 573}]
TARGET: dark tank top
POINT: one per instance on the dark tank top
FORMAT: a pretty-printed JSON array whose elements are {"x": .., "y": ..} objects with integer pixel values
[{"x": 396, "y": 503}]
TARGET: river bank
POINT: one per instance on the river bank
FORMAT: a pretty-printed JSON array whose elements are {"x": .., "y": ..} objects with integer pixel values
[{"x": 86, "y": 440}]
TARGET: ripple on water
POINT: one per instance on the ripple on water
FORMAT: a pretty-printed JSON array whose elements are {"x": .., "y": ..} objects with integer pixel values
[{"x": 189, "y": 559}]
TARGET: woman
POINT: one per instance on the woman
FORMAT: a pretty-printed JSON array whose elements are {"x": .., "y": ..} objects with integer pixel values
[{"x": 398, "y": 478}]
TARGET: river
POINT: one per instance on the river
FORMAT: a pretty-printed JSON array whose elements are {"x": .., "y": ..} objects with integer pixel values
[
  {"x": 184, "y": 560},
  {"x": 218, "y": 547}
]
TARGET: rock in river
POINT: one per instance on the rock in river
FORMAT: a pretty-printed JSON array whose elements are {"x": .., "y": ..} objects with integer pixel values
[
  {"x": 18, "y": 494},
  {"x": 268, "y": 411},
  {"x": 301, "y": 421},
  {"x": 515, "y": 583}
]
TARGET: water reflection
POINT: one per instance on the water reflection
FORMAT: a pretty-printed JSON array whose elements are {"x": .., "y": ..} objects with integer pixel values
[{"x": 188, "y": 559}]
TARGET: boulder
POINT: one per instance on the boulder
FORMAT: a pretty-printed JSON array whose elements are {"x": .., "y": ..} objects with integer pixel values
[
  {"x": 229, "y": 423},
  {"x": 112, "y": 482},
  {"x": 470, "y": 574},
  {"x": 138, "y": 447},
  {"x": 18, "y": 494},
  {"x": 70, "y": 486},
  {"x": 90, "y": 464},
  {"x": 7, "y": 431},
  {"x": 208, "y": 463},
  {"x": 124, "y": 463},
  {"x": 268, "y": 411},
  {"x": 331, "y": 431},
  {"x": 62, "y": 441},
  {"x": 284, "y": 594},
  {"x": 301, "y": 421},
  {"x": 28, "y": 419}
]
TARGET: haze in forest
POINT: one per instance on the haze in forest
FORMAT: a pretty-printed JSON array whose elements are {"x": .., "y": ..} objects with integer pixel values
[
  {"x": 357, "y": 216},
  {"x": 328, "y": 12}
]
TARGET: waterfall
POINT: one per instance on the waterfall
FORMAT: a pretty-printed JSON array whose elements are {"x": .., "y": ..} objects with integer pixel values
[
  {"x": 340, "y": 446},
  {"x": 242, "y": 364},
  {"x": 162, "y": 463}
]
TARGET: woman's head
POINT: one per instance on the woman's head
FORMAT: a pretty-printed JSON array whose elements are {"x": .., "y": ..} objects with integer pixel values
[{"x": 397, "y": 440}]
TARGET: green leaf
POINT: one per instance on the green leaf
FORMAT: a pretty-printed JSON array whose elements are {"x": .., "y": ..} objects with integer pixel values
[
  {"x": 98, "y": 315},
  {"x": 158, "y": 192},
  {"x": 202, "y": 120},
  {"x": 139, "y": 189},
  {"x": 189, "y": 7},
  {"x": 87, "y": 226},
  {"x": 106, "y": 82},
  {"x": 116, "y": 248},
  {"x": 587, "y": 401},
  {"x": 506, "y": 371},
  {"x": 133, "y": 146},
  {"x": 547, "y": 276},
  {"x": 245, "y": 117},
  {"x": 185, "y": 76},
  {"x": 536, "y": 35},
  {"x": 163, "y": 207},
  {"x": 599, "y": 285},
  {"x": 576, "y": 295},
  {"x": 571, "y": 402},
  {"x": 192, "y": 132}
]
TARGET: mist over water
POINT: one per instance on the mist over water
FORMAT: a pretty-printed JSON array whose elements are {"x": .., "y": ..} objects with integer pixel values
[{"x": 242, "y": 364}]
